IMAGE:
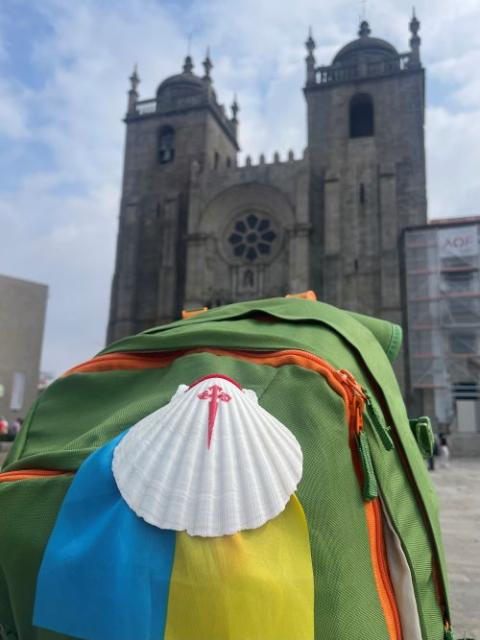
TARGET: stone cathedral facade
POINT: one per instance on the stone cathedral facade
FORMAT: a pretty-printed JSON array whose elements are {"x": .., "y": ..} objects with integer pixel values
[{"x": 196, "y": 229}]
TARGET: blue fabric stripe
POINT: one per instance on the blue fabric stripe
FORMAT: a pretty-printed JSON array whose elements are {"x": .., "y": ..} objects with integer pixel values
[{"x": 105, "y": 572}]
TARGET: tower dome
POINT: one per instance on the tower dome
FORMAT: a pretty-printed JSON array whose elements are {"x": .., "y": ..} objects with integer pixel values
[
  {"x": 186, "y": 81},
  {"x": 372, "y": 48}
]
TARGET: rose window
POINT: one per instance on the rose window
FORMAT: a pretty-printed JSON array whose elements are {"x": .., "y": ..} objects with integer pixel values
[{"x": 252, "y": 238}]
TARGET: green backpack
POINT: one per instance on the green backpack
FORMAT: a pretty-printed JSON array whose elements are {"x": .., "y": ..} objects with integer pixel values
[{"x": 356, "y": 553}]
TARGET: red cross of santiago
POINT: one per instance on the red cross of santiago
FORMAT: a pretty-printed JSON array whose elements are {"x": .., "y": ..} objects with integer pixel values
[{"x": 215, "y": 394}]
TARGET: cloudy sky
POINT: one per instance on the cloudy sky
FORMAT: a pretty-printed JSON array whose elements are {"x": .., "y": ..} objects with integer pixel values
[{"x": 63, "y": 80}]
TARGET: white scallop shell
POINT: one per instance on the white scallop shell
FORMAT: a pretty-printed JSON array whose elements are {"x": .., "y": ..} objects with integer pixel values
[{"x": 169, "y": 476}]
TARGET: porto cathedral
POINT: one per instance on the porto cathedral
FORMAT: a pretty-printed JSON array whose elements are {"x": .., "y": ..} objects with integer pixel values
[{"x": 198, "y": 230}]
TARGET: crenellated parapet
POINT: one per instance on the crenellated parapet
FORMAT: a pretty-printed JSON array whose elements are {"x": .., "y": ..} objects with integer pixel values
[
  {"x": 276, "y": 160},
  {"x": 261, "y": 164},
  {"x": 285, "y": 176}
]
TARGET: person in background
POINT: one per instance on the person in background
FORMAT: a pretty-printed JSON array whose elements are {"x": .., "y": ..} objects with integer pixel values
[
  {"x": 435, "y": 452},
  {"x": 3, "y": 426},
  {"x": 15, "y": 427},
  {"x": 443, "y": 453}
]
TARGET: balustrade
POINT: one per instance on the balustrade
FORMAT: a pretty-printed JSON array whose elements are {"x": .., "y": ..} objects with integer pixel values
[
  {"x": 346, "y": 73},
  {"x": 146, "y": 106}
]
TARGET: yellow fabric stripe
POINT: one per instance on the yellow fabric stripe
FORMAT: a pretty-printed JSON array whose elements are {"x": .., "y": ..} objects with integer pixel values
[{"x": 253, "y": 585}]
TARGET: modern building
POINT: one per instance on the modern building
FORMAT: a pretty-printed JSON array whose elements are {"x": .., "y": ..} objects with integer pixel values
[
  {"x": 23, "y": 307},
  {"x": 442, "y": 315},
  {"x": 196, "y": 229}
]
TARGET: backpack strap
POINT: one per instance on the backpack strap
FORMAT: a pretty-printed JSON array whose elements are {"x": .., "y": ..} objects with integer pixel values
[{"x": 389, "y": 335}]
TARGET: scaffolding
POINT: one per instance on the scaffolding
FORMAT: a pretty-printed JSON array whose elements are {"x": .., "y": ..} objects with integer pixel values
[{"x": 442, "y": 286}]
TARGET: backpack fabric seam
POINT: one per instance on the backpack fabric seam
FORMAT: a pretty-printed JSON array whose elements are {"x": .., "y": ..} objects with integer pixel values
[{"x": 395, "y": 342}]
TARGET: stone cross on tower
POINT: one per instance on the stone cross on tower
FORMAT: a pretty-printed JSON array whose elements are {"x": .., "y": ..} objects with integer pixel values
[{"x": 363, "y": 10}]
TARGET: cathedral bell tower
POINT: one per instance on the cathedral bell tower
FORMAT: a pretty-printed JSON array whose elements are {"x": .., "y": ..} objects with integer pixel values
[
  {"x": 367, "y": 168},
  {"x": 182, "y": 130}
]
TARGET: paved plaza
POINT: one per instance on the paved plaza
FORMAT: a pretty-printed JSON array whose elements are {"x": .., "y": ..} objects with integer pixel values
[{"x": 458, "y": 489}]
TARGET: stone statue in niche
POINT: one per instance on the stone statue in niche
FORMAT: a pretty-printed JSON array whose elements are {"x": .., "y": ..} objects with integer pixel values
[
  {"x": 248, "y": 279},
  {"x": 246, "y": 282}
]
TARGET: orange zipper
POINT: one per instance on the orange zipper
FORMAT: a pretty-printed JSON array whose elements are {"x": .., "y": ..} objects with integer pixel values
[
  {"x": 128, "y": 361},
  {"x": 29, "y": 474},
  {"x": 380, "y": 568},
  {"x": 342, "y": 382},
  {"x": 373, "y": 516}
]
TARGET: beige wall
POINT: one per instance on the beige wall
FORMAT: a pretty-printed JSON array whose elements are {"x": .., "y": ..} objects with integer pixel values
[{"x": 22, "y": 319}]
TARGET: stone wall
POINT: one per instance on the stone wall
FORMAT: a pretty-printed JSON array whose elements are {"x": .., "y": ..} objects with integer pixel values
[
  {"x": 149, "y": 279},
  {"x": 365, "y": 190},
  {"x": 276, "y": 193}
]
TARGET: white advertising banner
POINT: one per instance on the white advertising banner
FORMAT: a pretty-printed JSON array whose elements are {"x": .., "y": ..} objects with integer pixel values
[
  {"x": 458, "y": 241},
  {"x": 18, "y": 391}
]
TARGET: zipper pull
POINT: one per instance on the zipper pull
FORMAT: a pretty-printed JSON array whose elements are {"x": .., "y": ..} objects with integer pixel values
[
  {"x": 370, "y": 487},
  {"x": 347, "y": 379},
  {"x": 380, "y": 427}
]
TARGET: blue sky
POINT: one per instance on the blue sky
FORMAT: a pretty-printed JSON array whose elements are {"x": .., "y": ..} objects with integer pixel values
[{"x": 63, "y": 80}]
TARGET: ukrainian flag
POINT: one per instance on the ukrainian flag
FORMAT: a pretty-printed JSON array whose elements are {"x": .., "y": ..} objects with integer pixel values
[{"x": 106, "y": 573}]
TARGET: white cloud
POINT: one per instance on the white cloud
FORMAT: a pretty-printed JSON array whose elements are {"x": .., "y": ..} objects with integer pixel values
[
  {"x": 459, "y": 75},
  {"x": 60, "y": 221},
  {"x": 453, "y": 161},
  {"x": 13, "y": 117}
]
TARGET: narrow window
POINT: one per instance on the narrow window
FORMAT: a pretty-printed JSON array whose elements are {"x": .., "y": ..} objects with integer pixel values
[
  {"x": 229, "y": 163},
  {"x": 361, "y": 116},
  {"x": 166, "y": 145},
  {"x": 361, "y": 193},
  {"x": 216, "y": 160}
]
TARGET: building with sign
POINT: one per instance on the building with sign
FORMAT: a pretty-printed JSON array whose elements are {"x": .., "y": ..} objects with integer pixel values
[
  {"x": 23, "y": 307},
  {"x": 442, "y": 292},
  {"x": 196, "y": 229}
]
